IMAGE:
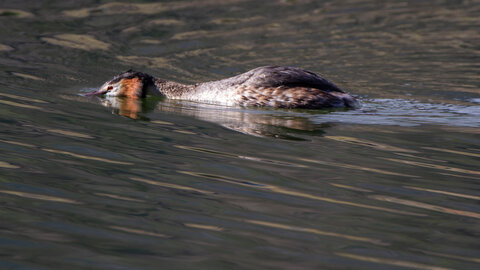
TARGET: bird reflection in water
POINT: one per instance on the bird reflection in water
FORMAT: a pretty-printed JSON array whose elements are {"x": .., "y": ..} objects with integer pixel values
[{"x": 257, "y": 122}]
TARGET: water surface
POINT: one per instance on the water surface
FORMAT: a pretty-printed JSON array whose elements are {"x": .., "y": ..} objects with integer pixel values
[{"x": 182, "y": 185}]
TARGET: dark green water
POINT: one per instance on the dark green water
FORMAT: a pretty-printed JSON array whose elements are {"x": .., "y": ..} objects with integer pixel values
[{"x": 178, "y": 185}]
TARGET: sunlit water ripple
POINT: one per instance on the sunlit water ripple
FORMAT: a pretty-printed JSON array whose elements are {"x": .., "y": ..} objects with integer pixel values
[{"x": 406, "y": 112}]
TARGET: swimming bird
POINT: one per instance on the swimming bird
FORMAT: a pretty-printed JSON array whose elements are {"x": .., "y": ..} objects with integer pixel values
[{"x": 268, "y": 86}]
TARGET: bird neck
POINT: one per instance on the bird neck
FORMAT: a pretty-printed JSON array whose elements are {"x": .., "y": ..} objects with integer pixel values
[{"x": 171, "y": 89}]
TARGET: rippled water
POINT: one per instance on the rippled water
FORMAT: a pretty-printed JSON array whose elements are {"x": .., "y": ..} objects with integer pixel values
[{"x": 86, "y": 184}]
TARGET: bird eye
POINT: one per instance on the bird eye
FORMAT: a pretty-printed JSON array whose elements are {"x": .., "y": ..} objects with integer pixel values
[{"x": 109, "y": 88}]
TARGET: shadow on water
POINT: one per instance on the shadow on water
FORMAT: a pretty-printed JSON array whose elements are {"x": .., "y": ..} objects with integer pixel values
[
  {"x": 263, "y": 122},
  {"x": 278, "y": 123}
]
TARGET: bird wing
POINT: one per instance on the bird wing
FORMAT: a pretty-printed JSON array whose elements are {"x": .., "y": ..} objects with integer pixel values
[{"x": 274, "y": 76}]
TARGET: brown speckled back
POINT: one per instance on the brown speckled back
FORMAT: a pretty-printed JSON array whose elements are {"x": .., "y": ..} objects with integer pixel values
[
  {"x": 275, "y": 86},
  {"x": 291, "y": 97}
]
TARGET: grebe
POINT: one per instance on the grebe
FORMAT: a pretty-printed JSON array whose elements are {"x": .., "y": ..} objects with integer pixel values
[{"x": 269, "y": 86}]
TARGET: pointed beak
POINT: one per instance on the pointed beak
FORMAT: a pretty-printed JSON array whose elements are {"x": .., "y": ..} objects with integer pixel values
[{"x": 95, "y": 93}]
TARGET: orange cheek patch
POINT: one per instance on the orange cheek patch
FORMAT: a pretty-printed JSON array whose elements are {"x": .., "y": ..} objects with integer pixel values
[{"x": 132, "y": 88}]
